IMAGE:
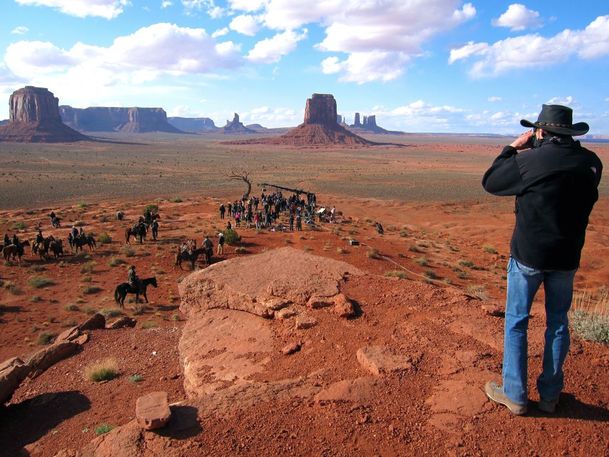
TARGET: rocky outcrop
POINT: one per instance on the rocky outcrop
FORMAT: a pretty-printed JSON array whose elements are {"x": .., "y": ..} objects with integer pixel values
[
  {"x": 319, "y": 129},
  {"x": 193, "y": 125},
  {"x": 35, "y": 118},
  {"x": 369, "y": 126},
  {"x": 111, "y": 119},
  {"x": 236, "y": 126}
]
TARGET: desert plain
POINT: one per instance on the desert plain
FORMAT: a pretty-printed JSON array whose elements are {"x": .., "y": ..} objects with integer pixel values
[{"x": 431, "y": 290}]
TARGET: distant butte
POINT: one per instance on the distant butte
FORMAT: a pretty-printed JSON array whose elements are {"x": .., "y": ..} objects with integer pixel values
[
  {"x": 320, "y": 128},
  {"x": 34, "y": 118}
]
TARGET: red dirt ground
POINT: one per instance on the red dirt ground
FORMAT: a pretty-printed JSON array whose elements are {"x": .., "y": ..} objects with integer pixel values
[{"x": 439, "y": 409}]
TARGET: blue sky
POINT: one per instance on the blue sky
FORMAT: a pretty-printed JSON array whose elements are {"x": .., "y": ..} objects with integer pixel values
[{"x": 419, "y": 65}]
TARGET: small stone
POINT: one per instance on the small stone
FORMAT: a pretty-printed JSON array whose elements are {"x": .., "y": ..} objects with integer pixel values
[
  {"x": 305, "y": 322},
  {"x": 291, "y": 348},
  {"x": 382, "y": 360},
  {"x": 152, "y": 410},
  {"x": 319, "y": 301},
  {"x": 286, "y": 313},
  {"x": 493, "y": 310},
  {"x": 122, "y": 322},
  {"x": 343, "y": 306},
  {"x": 277, "y": 303}
]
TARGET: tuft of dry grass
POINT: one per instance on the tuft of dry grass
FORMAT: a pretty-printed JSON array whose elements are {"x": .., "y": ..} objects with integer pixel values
[
  {"x": 39, "y": 282},
  {"x": 102, "y": 370},
  {"x": 373, "y": 253},
  {"x": 396, "y": 274}
]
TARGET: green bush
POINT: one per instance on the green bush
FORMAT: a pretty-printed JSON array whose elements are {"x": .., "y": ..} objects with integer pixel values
[
  {"x": 19, "y": 225},
  {"x": 104, "y": 238},
  {"x": 154, "y": 209},
  {"x": 111, "y": 312},
  {"x": 38, "y": 282},
  {"x": 116, "y": 261},
  {"x": 72, "y": 307},
  {"x": 103, "y": 429},
  {"x": 489, "y": 249},
  {"x": 231, "y": 237},
  {"x": 396, "y": 274},
  {"x": 149, "y": 325},
  {"x": 46, "y": 338},
  {"x": 136, "y": 378},
  {"x": 591, "y": 326}
]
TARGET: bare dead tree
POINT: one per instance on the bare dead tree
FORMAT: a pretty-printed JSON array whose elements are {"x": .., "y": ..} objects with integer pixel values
[{"x": 244, "y": 176}]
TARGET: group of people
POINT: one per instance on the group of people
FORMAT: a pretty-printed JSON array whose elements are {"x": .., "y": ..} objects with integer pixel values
[{"x": 265, "y": 211}]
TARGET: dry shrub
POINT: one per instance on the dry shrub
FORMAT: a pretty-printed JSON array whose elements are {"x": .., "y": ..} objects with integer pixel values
[
  {"x": 102, "y": 370},
  {"x": 373, "y": 253}
]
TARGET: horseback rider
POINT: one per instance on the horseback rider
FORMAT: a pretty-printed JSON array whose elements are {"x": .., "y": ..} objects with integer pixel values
[
  {"x": 74, "y": 232},
  {"x": 133, "y": 279},
  {"x": 147, "y": 216},
  {"x": 7, "y": 240},
  {"x": 39, "y": 238},
  {"x": 15, "y": 240},
  {"x": 208, "y": 245}
]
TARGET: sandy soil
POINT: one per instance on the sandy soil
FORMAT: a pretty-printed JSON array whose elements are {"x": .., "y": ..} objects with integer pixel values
[{"x": 438, "y": 224}]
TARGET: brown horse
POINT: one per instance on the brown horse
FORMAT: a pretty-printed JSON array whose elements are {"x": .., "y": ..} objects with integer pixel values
[
  {"x": 182, "y": 256},
  {"x": 12, "y": 252},
  {"x": 138, "y": 231}
]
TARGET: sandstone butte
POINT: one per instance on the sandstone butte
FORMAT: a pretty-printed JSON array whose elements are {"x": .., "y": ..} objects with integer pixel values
[
  {"x": 320, "y": 128},
  {"x": 34, "y": 118}
]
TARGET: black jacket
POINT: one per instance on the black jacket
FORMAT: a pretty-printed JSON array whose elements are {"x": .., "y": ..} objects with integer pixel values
[{"x": 556, "y": 186}]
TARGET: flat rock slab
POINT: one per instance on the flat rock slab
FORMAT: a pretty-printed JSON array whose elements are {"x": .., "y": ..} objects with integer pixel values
[
  {"x": 152, "y": 410},
  {"x": 380, "y": 360},
  {"x": 223, "y": 348},
  {"x": 359, "y": 391},
  {"x": 95, "y": 322},
  {"x": 12, "y": 372},
  {"x": 253, "y": 283}
]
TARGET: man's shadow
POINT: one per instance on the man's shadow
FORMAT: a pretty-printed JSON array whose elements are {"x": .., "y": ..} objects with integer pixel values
[{"x": 570, "y": 407}]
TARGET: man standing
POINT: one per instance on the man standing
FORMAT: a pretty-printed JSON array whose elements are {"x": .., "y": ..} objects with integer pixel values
[
  {"x": 220, "y": 243},
  {"x": 555, "y": 182}
]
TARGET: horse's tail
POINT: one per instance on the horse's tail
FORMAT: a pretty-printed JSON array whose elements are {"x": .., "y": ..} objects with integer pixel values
[
  {"x": 117, "y": 295},
  {"x": 127, "y": 235}
]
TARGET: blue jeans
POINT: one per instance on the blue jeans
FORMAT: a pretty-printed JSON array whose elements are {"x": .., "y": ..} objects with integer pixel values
[{"x": 522, "y": 285}]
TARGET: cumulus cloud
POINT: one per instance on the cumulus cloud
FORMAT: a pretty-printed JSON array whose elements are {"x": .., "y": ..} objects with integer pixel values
[
  {"x": 166, "y": 4},
  {"x": 494, "y": 98},
  {"x": 108, "y": 9},
  {"x": 517, "y": 18},
  {"x": 271, "y": 116},
  {"x": 220, "y": 32},
  {"x": 534, "y": 50},
  {"x": 146, "y": 55},
  {"x": 209, "y": 6},
  {"x": 20, "y": 30},
  {"x": 271, "y": 50},
  {"x": 363, "y": 67},
  {"x": 389, "y": 35},
  {"x": 567, "y": 101},
  {"x": 244, "y": 24}
]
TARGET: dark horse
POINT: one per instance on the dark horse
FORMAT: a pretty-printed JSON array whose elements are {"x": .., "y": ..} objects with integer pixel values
[
  {"x": 125, "y": 288},
  {"x": 14, "y": 252},
  {"x": 137, "y": 231},
  {"x": 82, "y": 240},
  {"x": 182, "y": 256}
]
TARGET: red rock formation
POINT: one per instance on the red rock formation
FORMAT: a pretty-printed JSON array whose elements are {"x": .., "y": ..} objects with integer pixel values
[
  {"x": 109, "y": 119},
  {"x": 34, "y": 118},
  {"x": 236, "y": 126},
  {"x": 320, "y": 128}
]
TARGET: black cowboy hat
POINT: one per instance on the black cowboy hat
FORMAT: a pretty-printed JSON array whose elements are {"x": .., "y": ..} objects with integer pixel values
[{"x": 557, "y": 119}]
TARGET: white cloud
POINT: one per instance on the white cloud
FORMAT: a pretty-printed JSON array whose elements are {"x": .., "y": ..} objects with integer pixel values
[
  {"x": 271, "y": 50},
  {"x": 108, "y": 9},
  {"x": 494, "y": 98},
  {"x": 271, "y": 117},
  {"x": 142, "y": 57},
  {"x": 246, "y": 5},
  {"x": 533, "y": 50},
  {"x": 20, "y": 30},
  {"x": 209, "y": 6},
  {"x": 220, "y": 32},
  {"x": 244, "y": 24},
  {"x": 389, "y": 32},
  {"x": 518, "y": 17},
  {"x": 363, "y": 67},
  {"x": 567, "y": 101},
  {"x": 166, "y": 4}
]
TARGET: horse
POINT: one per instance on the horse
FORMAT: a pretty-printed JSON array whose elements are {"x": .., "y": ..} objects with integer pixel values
[
  {"x": 56, "y": 222},
  {"x": 82, "y": 240},
  {"x": 209, "y": 252},
  {"x": 125, "y": 288},
  {"x": 137, "y": 231},
  {"x": 56, "y": 247},
  {"x": 42, "y": 248},
  {"x": 188, "y": 256},
  {"x": 14, "y": 251}
]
